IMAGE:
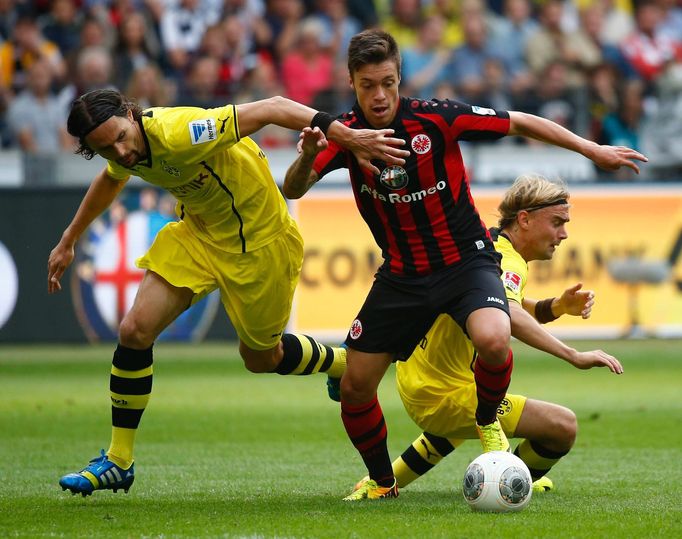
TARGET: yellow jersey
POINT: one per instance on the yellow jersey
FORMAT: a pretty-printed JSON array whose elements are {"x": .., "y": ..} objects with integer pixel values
[
  {"x": 225, "y": 191},
  {"x": 445, "y": 357}
]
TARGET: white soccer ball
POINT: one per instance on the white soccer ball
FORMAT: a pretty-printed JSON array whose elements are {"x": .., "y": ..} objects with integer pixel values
[{"x": 497, "y": 482}]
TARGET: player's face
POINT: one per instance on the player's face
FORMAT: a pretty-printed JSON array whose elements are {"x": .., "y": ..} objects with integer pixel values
[
  {"x": 376, "y": 89},
  {"x": 547, "y": 229},
  {"x": 118, "y": 139}
]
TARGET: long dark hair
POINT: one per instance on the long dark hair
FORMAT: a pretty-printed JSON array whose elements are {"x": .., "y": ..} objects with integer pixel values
[{"x": 91, "y": 110}]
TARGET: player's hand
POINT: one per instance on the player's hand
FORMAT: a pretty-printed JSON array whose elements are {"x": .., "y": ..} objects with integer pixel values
[
  {"x": 368, "y": 144},
  {"x": 577, "y": 302},
  {"x": 60, "y": 259},
  {"x": 614, "y": 157},
  {"x": 596, "y": 358},
  {"x": 311, "y": 141}
]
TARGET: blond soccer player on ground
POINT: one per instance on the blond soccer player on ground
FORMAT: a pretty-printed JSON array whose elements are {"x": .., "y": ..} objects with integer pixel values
[{"x": 234, "y": 234}]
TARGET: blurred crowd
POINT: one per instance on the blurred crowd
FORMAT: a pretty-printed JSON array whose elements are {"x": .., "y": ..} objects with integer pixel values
[{"x": 605, "y": 69}]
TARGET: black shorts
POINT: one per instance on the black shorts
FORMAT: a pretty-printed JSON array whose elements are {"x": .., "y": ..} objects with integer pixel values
[{"x": 399, "y": 310}]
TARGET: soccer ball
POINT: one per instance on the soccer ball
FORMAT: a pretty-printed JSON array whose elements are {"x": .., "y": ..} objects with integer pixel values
[{"x": 497, "y": 482}]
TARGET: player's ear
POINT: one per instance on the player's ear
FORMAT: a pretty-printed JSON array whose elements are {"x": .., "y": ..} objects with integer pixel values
[{"x": 523, "y": 218}]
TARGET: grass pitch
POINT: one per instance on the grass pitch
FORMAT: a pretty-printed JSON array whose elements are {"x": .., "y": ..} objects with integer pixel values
[{"x": 225, "y": 453}]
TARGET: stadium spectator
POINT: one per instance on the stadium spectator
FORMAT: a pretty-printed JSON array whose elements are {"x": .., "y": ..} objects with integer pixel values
[
  {"x": 551, "y": 43},
  {"x": 308, "y": 67},
  {"x": 365, "y": 12},
  {"x": 649, "y": 52},
  {"x": 200, "y": 87},
  {"x": 338, "y": 26},
  {"x": 281, "y": 18},
  {"x": 434, "y": 263},
  {"x": 618, "y": 21},
  {"x": 255, "y": 32},
  {"x": 671, "y": 19},
  {"x": 550, "y": 97},
  {"x": 403, "y": 21},
  {"x": 9, "y": 14},
  {"x": 236, "y": 235},
  {"x": 136, "y": 47},
  {"x": 425, "y": 63},
  {"x": 592, "y": 24},
  {"x": 182, "y": 27},
  {"x": 94, "y": 70},
  {"x": 622, "y": 126},
  {"x": 466, "y": 69},
  {"x": 436, "y": 384},
  {"x": 148, "y": 88},
  {"x": 36, "y": 118},
  {"x": 339, "y": 97},
  {"x": 62, "y": 25},
  {"x": 26, "y": 46},
  {"x": 508, "y": 41}
]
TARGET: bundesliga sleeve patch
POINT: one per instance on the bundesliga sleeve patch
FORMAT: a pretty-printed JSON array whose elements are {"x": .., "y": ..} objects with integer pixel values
[
  {"x": 483, "y": 111},
  {"x": 201, "y": 131},
  {"x": 512, "y": 281}
]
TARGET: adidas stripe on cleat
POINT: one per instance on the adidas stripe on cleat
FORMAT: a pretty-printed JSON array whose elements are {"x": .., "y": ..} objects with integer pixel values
[
  {"x": 367, "y": 489},
  {"x": 100, "y": 474}
]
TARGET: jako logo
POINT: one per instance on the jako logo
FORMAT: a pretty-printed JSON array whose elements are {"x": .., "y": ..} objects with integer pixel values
[
  {"x": 496, "y": 300},
  {"x": 395, "y": 198}
]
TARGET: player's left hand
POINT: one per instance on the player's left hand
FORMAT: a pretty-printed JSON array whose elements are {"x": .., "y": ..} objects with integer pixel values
[
  {"x": 368, "y": 144},
  {"x": 596, "y": 358},
  {"x": 614, "y": 157},
  {"x": 577, "y": 302}
]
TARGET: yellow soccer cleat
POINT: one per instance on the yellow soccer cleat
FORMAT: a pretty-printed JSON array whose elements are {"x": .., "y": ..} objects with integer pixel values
[
  {"x": 367, "y": 489},
  {"x": 544, "y": 484},
  {"x": 492, "y": 437}
]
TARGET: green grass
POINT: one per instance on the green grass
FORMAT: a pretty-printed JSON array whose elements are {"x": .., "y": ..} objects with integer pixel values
[{"x": 225, "y": 453}]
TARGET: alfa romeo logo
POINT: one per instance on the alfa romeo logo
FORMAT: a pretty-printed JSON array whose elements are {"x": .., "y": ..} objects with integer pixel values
[{"x": 394, "y": 177}]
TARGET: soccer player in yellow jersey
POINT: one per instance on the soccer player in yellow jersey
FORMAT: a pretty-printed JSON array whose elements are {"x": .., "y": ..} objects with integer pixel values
[
  {"x": 234, "y": 235},
  {"x": 436, "y": 383}
]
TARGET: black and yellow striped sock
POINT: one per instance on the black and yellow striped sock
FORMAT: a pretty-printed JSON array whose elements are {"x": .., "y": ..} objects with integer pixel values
[
  {"x": 538, "y": 458},
  {"x": 304, "y": 355},
  {"x": 130, "y": 386},
  {"x": 424, "y": 453}
]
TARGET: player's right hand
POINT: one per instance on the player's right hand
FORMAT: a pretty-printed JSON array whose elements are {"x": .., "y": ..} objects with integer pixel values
[
  {"x": 311, "y": 141},
  {"x": 596, "y": 358},
  {"x": 60, "y": 259}
]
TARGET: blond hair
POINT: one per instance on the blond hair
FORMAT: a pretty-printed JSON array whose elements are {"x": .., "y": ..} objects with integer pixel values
[{"x": 530, "y": 192}]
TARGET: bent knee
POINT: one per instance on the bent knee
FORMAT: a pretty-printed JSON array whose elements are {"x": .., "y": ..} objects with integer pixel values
[
  {"x": 259, "y": 361},
  {"x": 133, "y": 335},
  {"x": 565, "y": 428}
]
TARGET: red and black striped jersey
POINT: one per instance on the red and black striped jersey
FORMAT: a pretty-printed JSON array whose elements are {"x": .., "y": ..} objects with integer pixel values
[{"x": 421, "y": 215}]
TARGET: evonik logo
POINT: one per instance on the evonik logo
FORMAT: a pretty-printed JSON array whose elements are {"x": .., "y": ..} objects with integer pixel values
[{"x": 395, "y": 198}]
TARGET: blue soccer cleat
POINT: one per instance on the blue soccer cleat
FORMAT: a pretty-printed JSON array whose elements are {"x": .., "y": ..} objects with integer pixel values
[
  {"x": 100, "y": 474},
  {"x": 334, "y": 388}
]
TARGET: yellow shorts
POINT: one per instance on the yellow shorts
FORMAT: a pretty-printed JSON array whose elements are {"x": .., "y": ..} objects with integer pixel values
[
  {"x": 256, "y": 288},
  {"x": 453, "y": 415}
]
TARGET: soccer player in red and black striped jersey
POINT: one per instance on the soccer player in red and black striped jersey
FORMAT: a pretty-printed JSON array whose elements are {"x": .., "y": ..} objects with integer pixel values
[{"x": 438, "y": 255}]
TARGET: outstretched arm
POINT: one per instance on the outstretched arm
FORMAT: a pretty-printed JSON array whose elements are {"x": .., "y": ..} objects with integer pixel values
[
  {"x": 366, "y": 144},
  {"x": 606, "y": 157},
  {"x": 100, "y": 195},
  {"x": 528, "y": 330}
]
